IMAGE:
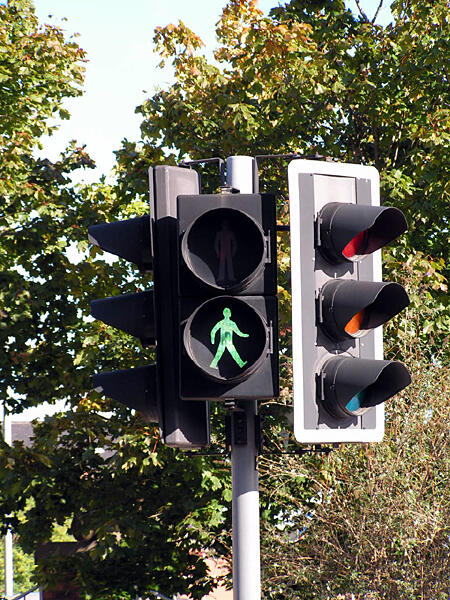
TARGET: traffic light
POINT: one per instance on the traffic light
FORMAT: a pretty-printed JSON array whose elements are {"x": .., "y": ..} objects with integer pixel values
[
  {"x": 227, "y": 285},
  {"x": 339, "y": 302},
  {"x": 149, "y": 315}
]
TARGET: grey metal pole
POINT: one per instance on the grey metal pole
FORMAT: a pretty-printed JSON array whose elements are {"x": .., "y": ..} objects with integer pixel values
[
  {"x": 8, "y": 539},
  {"x": 245, "y": 488}
]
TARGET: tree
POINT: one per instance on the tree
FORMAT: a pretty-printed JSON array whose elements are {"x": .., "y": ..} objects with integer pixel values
[
  {"x": 23, "y": 569},
  {"x": 132, "y": 494},
  {"x": 377, "y": 525},
  {"x": 38, "y": 69},
  {"x": 311, "y": 77}
]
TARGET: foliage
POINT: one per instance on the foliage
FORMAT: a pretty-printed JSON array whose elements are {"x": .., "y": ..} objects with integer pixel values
[
  {"x": 421, "y": 332},
  {"x": 24, "y": 565},
  {"x": 23, "y": 570},
  {"x": 153, "y": 528},
  {"x": 50, "y": 349},
  {"x": 315, "y": 77},
  {"x": 38, "y": 69},
  {"x": 377, "y": 525}
]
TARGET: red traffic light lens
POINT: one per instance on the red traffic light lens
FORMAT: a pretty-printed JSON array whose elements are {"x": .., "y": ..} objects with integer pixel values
[
  {"x": 357, "y": 246},
  {"x": 351, "y": 231}
]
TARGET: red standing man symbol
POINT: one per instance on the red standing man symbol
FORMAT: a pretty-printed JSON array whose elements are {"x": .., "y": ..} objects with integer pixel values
[{"x": 225, "y": 248}]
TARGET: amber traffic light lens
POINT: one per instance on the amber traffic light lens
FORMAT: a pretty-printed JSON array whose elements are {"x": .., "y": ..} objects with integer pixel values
[{"x": 356, "y": 323}]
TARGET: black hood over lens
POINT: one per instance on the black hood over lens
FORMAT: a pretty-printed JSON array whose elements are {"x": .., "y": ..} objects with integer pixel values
[{"x": 369, "y": 227}]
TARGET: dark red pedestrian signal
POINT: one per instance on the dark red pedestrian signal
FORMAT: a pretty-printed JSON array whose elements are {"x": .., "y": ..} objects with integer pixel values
[
  {"x": 225, "y": 249},
  {"x": 339, "y": 302}
]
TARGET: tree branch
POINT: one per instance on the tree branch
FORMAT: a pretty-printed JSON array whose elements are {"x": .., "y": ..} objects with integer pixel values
[
  {"x": 377, "y": 11},
  {"x": 362, "y": 13}
]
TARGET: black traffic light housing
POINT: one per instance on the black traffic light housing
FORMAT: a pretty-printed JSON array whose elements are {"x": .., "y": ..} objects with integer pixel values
[
  {"x": 348, "y": 388},
  {"x": 347, "y": 231},
  {"x": 377, "y": 302},
  {"x": 339, "y": 302},
  {"x": 150, "y": 242},
  {"x": 227, "y": 288},
  {"x": 183, "y": 424},
  {"x": 132, "y": 313}
]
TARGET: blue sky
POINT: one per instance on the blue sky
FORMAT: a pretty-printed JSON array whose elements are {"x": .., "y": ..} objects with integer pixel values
[
  {"x": 122, "y": 63},
  {"x": 118, "y": 37}
]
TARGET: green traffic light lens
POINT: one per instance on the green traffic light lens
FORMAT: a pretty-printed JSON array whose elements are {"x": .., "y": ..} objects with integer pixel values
[
  {"x": 353, "y": 385},
  {"x": 358, "y": 402}
]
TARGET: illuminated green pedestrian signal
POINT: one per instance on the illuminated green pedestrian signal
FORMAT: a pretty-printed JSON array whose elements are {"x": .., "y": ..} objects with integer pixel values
[
  {"x": 226, "y": 327},
  {"x": 227, "y": 296},
  {"x": 218, "y": 347}
]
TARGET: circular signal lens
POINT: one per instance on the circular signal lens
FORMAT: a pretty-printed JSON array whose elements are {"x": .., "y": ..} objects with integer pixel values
[
  {"x": 356, "y": 323},
  {"x": 351, "y": 386},
  {"x": 356, "y": 404},
  {"x": 226, "y": 338},
  {"x": 356, "y": 246},
  {"x": 352, "y": 231},
  {"x": 225, "y": 249}
]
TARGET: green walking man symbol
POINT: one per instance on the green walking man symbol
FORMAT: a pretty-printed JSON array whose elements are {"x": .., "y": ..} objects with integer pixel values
[{"x": 226, "y": 327}]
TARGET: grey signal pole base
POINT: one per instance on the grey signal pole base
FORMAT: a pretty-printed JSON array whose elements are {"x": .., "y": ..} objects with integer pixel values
[
  {"x": 245, "y": 504},
  {"x": 245, "y": 487}
]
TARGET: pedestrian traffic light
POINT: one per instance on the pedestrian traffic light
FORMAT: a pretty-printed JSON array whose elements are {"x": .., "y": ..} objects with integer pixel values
[
  {"x": 339, "y": 302},
  {"x": 149, "y": 315},
  {"x": 227, "y": 287}
]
